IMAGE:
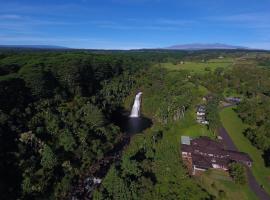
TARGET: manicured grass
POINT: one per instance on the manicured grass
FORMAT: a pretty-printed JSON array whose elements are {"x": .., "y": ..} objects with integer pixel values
[
  {"x": 215, "y": 181},
  {"x": 190, "y": 127},
  {"x": 199, "y": 67},
  {"x": 235, "y": 128}
]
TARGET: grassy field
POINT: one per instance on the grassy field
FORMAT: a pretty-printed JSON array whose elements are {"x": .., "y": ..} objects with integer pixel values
[
  {"x": 199, "y": 67},
  {"x": 235, "y": 127},
  {"x": 189, "y": 127},
  {"x": 216, "y": 181}
]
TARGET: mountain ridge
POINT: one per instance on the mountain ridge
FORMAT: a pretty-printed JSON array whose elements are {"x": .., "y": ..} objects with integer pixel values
[{"x": 201, "y": 46}]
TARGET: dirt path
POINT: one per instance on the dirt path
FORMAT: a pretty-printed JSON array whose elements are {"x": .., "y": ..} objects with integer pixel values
[{"x": 252, "y": 182}]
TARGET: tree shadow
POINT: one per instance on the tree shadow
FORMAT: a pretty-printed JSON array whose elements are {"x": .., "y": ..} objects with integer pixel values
[{"x": 266, "y": 157}]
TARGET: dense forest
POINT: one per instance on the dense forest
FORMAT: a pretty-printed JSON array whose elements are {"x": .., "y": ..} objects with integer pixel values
[{"x": 56, "y": 118}]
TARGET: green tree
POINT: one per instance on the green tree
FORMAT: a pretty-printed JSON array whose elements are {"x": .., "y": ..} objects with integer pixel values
[
  {"x": 48, "y": 158},
  {"x": 67, "y": 140},
  {"x": 238, "y": 173}
]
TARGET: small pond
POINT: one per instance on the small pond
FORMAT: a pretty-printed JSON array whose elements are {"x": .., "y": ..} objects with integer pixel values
[{"x": 131, "y": 125}]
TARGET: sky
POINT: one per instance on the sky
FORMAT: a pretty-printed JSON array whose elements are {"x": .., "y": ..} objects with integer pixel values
[{"x": 132, "y": 24}]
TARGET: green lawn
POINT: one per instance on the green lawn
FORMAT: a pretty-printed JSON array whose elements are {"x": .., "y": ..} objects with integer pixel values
[
  {"x": 199, "y": 67},
  {"x": 235, "y": 128},
  {"x": 215, "y": 181},
  {"x": 189, "y": 127}
]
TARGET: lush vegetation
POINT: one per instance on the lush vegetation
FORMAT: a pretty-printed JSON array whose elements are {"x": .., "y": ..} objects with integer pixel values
[
  {"x": 255, "y": 112},
  {"x": 56, "y": 121},
  {"x": 151, "y": 167},
  {"x": 55, "y": 117},
  {"x": 238, "y": 173}
]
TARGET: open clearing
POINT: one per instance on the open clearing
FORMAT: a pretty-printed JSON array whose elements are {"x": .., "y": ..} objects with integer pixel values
[{"x": 199, "y": 67}]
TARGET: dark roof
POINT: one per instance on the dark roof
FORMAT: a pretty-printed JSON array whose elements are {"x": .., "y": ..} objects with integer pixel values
[
  {"x": 201, "y": 161},
  {"x": 201, "y": 108},
  {"x": 206, "y": 143},
  {"x": 206, "y": 152},
  {"x": 233, "y": 99},
  {"x": 186, "y": 148},
  {"x": 206, "y": 162},
  {"x": 238, "y": 156}
]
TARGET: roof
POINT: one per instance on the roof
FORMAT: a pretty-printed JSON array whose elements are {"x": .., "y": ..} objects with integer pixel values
[
  {"x": 233, "y": 99},
  {"x": 201, "y": 108},
  {"x": 205, "y": 143},
  {"x": 185, "y": 140},
  {"x": 206, "y": 152},
  {"x": 238, "y": 156},
  {"x": 201, "y": 161},
  {"x": 186, "y": 148}
]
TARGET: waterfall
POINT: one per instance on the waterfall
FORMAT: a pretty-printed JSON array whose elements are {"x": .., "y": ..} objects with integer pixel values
[{"x": 135, "y": 112}]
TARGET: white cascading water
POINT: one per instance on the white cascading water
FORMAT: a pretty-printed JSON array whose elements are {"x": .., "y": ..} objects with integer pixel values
[{"x": 135, "y": 112}]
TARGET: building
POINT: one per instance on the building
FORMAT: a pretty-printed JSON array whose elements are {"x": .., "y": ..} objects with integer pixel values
[
  {"x": 203, "y": 153},
  {"x": 201, "y": 110},
  {"x": 235, "y": 100},
  {"x": 201, "y": 114}
]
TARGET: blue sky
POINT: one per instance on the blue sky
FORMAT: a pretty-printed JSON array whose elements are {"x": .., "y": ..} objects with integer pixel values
[{"x": 126, "y": 24}]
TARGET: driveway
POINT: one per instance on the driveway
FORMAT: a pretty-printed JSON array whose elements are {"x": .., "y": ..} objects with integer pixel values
[
  {"x": 252, "y": 182},
  {"x": 226, "y": 139}
]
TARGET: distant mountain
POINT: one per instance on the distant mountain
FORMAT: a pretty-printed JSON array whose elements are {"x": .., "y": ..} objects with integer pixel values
[
  {"x": 33, "y": 46},
  {"x": 198, "y": 46}
]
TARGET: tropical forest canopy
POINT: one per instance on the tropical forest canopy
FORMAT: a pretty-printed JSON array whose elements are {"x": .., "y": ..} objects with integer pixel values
[{"x": 56, "y": 118}]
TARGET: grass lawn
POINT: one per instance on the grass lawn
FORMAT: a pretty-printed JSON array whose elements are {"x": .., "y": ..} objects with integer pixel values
[
  {"x": 235, "y": 128},
  {"x": 216, "y": 181},
  {"x": 199, "y": 67}
]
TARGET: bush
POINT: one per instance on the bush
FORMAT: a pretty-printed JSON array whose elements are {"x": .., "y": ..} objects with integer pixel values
[{"x": 238, "y": 173}]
